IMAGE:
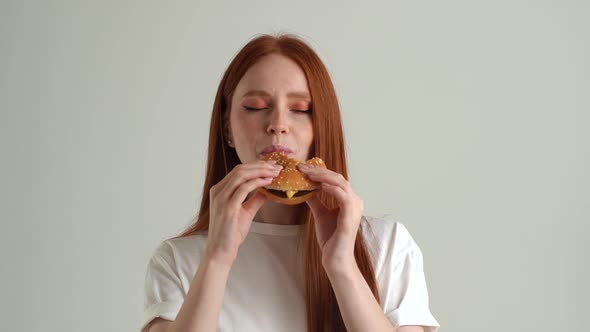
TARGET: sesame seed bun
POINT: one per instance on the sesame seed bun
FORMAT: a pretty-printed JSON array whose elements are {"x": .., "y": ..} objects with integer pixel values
[{"x": 291, "y": 179}]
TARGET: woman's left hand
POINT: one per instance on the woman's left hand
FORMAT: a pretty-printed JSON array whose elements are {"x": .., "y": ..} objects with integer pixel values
[{"x": 336, "y": 229}]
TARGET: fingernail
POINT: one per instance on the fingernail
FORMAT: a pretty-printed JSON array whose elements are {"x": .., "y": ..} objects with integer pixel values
[{"x": 303, "y": 166}]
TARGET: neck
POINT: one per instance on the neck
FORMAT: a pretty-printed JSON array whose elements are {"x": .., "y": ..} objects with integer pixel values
[{"x": 276, "y": 213}]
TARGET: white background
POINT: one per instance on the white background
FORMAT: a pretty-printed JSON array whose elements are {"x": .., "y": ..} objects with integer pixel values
[{"x": 466, "y": 120}]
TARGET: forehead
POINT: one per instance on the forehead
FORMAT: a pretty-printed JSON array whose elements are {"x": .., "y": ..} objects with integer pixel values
[{"x": 275, "y": 74}]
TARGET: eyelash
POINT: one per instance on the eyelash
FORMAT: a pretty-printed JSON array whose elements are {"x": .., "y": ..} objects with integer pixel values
[{"x": 253, "y": 109}]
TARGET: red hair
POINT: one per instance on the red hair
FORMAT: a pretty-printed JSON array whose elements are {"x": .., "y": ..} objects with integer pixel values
[{"x": 323, "y": 313}]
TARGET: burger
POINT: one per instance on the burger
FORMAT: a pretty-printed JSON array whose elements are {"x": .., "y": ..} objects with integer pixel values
[{"x": 291, "y": 186}]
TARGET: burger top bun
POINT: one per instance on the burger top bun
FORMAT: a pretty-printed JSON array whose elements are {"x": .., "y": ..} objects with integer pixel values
[{"x": 290, "y": 178}]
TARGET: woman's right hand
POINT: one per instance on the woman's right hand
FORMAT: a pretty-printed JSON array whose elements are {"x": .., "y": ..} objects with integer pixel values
[{"x": 229, "y": 216}]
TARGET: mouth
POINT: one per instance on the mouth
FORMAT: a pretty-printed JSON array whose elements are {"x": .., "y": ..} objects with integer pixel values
[{"x": 276, "y": 148}]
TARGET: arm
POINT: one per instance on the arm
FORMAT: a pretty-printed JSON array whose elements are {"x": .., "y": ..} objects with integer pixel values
[
  {"x": 230, "y": 217},
  {"x": 201, "y": 307},
  {"x": 229, "y": 221},
  {"x": 358, "y": 306},
  {"x": 336, "y": 231}
]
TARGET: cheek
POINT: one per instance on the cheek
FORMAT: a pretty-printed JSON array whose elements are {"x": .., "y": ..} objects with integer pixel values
[
  {"x": 306, "y": 131},
  {"x": 245, "y": 127},
  {"x": 308, "y": 128}
]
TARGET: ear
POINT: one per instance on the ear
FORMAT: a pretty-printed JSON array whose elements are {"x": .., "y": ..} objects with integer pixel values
[{"x": 227, "y": 131}]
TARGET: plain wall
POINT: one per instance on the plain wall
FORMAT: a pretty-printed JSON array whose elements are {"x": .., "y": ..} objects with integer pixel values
[{"x": 466, "y": 120}]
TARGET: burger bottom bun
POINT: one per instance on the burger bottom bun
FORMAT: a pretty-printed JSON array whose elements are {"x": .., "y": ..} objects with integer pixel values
[{"x": 287, "y": 200}]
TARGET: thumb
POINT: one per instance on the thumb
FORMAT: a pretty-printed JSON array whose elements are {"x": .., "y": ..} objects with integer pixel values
[
  {"x": 317, "y": 207},
  {"x": 253, "y": 204}
]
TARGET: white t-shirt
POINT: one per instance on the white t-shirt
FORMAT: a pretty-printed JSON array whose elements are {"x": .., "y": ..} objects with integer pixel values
[{"x": 265, "y": 288}]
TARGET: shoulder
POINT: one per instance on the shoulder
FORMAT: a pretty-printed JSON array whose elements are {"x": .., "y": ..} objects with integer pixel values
[
  {"x": 386, "y": 228},
  {"x": 387, "y": 237},
  {"x": 175, "y": 251}
]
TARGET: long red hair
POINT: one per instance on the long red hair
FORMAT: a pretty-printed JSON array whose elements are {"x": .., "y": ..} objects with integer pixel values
[{"x": 323, "y": 313}]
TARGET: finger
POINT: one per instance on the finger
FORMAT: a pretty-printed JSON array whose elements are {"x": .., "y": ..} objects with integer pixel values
[
  {"x": 321, "y": 215},
  {"x": 259, "y": 164},
  {"x": 244, "y": 175},
  {"x": 317, "y": 207},
  {"x": 349, "y": 203},
  {"x": 348, "y": 206},
  {"x": 324, "y": 175},
  {"x": 338, "y": 193},
  {"x": 252, "y": 205},
  {"x": 243, "y": 190}
]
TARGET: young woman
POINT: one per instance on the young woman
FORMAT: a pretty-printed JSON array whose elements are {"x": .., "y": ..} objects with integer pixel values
[{"x": 250, "y": 264}]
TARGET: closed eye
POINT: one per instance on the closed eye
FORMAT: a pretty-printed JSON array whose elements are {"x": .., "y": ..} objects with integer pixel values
[
  {"x": 247, "y": 108},
  {"x": 253, "y": 108},
  {"x": 302, "y": 111}
]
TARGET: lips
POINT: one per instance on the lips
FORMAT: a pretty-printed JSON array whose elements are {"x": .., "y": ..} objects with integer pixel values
[{"x": 276, "y": 148}]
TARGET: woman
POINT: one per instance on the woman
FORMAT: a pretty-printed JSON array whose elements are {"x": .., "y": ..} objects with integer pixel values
[{"x": 250, "y": 264}]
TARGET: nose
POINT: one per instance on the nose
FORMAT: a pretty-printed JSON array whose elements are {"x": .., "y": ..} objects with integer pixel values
[{"x": 277, "y": 124}]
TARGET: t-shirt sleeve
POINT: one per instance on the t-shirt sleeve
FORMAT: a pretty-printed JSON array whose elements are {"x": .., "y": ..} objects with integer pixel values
[
  {"x": 163, "y": 291},
  {"x": 400, "y": 274}
]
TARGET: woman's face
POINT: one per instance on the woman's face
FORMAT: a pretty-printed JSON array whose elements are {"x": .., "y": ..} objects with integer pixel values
[{"x": 271, "y": 111}]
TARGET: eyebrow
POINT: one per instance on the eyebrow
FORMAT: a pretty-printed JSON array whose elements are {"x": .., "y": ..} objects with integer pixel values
[{"x": 262, "y": 93}]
